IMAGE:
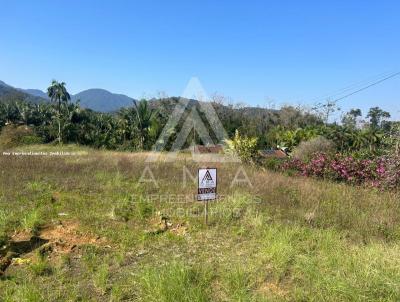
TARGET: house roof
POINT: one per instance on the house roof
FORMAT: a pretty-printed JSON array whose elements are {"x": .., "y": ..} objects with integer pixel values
[{"x": 273, "y": 153}]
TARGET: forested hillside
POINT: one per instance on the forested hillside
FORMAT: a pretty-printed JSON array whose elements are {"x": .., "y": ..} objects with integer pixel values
[{"x": 96, "y": 99}]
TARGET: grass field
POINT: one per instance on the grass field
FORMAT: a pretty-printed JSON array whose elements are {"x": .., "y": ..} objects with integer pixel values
[{"x": 82, "y": 227}]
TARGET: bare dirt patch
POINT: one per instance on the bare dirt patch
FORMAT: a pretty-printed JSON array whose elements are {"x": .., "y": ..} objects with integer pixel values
[
  {"x": 54, "y": 240},
  {"x": 66, "y": 235}
]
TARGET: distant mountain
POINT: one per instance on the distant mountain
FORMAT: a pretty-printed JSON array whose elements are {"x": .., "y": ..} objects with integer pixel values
[
  {"x": 102, "y": 100},
  {"x": 95, "y": 99},
  {"x": 8, "y": 92},
  {"x": 36, "y": 92},
  {"x": 5, "y": 89},
  {"x": 3, "y": 84}
]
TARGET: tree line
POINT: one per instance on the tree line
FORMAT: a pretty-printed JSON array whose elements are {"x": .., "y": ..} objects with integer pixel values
[{"x": 137, "y": 127}]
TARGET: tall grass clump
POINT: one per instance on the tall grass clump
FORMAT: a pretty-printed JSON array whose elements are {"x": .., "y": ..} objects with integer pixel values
[
  {"x": 25, "y": 291},
  {"x": 174, "y": 282},
  {"x": 32, "y": 222},
  {"x": 237, "y": 284}
]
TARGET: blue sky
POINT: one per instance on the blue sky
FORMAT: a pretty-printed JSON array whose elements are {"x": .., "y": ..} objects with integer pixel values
[{"x": 252, "y": 51}]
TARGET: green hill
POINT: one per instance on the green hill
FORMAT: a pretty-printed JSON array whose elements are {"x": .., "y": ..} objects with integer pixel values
[{"x": 8, "y": 92}]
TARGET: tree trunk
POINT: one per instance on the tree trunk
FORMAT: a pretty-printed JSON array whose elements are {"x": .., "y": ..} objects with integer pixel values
[
  {"x": 59, "y": 121},
  {"x": 142, "y": 142},
  {"x": 59, "y": 130}
]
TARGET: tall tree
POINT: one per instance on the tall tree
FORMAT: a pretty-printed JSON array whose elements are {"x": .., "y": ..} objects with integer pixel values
[
  {"x": 376, "y": 115},
  {"x": 144, "y": 117},
  {"x": 24, "y": 111},
  {"x": 58, "y": 94},
  {"x": 325, "y": 110},
  {"x": 349, "y": 120}
]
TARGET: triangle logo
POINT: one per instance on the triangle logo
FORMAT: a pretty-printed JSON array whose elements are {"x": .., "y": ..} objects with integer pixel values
[
  {"x": 207, "y": 177},
  {"x": 192, "y": 124}
]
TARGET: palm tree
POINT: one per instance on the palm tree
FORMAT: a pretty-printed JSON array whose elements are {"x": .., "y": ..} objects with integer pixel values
[
  {"x": 144, "y": 116},
  {"x": 359, "y": 140},
  {"x": 373, "y": 138},
  {"x": 41, "y": 114},
  {"x": 24, "y": 111},
  {"x": 127, "y": 126},
  {"x": 11, "y": 112},
  {"x": 71, "y": 118},
  {"x": 58, "y": 94}
]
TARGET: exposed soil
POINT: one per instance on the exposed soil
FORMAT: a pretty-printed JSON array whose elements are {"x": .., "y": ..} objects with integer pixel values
[
  {"x": 53, "y": 241},
  {"x": 66, "y": 236}
]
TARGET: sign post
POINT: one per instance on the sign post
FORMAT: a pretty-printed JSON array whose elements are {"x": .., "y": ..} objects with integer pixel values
[{"x": 207, "y": 188}]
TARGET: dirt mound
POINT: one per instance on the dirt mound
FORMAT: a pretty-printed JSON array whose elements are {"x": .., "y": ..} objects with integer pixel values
[
  {"x": 53, "y": 241},
  {"x": 65, "y": 236}
]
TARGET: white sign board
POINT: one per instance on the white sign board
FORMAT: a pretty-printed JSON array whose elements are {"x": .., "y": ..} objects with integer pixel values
[{"x": 207, "y": 189}]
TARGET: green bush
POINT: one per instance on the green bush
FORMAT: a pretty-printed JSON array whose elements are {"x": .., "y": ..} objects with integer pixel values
[
  {"x": 306, "y": 149},
  {"x": 13, "y": 136},
  {"x": 31, "y": 140},
  {"x": 273, "y": 163},
  {"x": 244, "y": 147}
]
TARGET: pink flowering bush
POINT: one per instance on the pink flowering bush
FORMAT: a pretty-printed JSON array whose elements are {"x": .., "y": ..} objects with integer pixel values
[
  {"x": 381, "y": 172},
  {"x": 388, "y": 170}
]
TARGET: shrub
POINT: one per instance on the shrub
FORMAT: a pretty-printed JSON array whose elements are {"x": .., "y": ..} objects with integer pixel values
[
  {"x": 293, "y": 166},
  {"x": 273, "y": 164},
  {"x": 382, "y": 172},
  {"x": 13, "y": 136},
  {"x": 388, "y": 171},
  {"x": 306, "y": 149},
  {"x": 31, "y": 140},
  {"x": 244, "y": 147}
]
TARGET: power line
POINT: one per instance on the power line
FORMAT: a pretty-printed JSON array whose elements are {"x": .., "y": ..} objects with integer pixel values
[
  {"x": 368, "y": 86},
  {"x": 354, "y": 86},
  {"x": 351, "y": 87}
]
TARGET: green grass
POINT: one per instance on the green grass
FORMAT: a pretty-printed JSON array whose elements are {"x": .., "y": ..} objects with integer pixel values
[
  {"x": 42, "y": 267},
  {"x": 174, "y": 282},
  {"x": 284, "y": 239},
  {"x": 31, "y": 222}
]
